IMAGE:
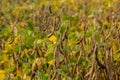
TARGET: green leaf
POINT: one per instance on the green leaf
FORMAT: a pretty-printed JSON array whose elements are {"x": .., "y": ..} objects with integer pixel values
[
  {"x": 17, "y": 48},
  {"x": 29, "y": 41},
  {"x": 97, "y": 37},
  {"x": 39, "y": 42},
  {"x": 18, "y": 78},
  {"x": 12, "y": 67},
  {"x": 21, "y": 15},
  {"x": 49, "y": 57},
  {"x": 100, "y": 56},
  {"x": 1, "y": 57},
  {"x": 60, "y": 71},
  {"x": 62, "y": 29},
  {"x": 80, "y": 8},
  {"x": 36, "y": 30},
  {"x": 30, "y": 24},
  {"x": 5, "y": 31},
  {"x": 42, "y": 75},
  {"x": 90, "y": 32},
  {"x": 23, "y": 46}
]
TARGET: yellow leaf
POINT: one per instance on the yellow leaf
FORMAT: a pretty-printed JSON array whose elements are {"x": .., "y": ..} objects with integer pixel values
[
  {"x": 8, "y": 47},
  {"x": 2, "y": 74},
  {"x": 19, "y": 72},
  {"x": 114, "y": 48},
  {"x": 4, "y": 51},
  {"x": 9, "y": 39},
  {"x": 70, "y": 43},
  {"x": 82, "y": 26},
  {"x": 53, "y": 38},
  {"x": 63, "y": 78},
  {"x": 5, "y": 57},
  {"x": 1, "y": 62},
  {"x": 18, "y": 9},
  {"x": 55, "y": 2},
  {"x": 51, "y": 62},
  {"x": 17, "y": 39},
  {"x": 71, "y": 1}
]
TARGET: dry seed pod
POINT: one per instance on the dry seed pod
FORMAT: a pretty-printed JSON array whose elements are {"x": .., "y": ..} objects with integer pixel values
[
  {"x": 96, "y": 58},
  {"x": 43, "y": 7},
  {"x": 36, "y": 65},
  {"x": 12, "y": 40},
  {"x": 45, "y": 16},
  {"x": 90, "y": 52},
  {"x": 52, "y": 32},
  {"x": 81, "y": 39},
  {"x": 46, "y": 27},
  {"x": 50, "y": 9},
  {"x": 57, "y": 23}
]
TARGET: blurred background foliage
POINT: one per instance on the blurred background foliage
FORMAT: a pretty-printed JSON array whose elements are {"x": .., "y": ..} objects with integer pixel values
[{"x": 59, "y": 40}]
